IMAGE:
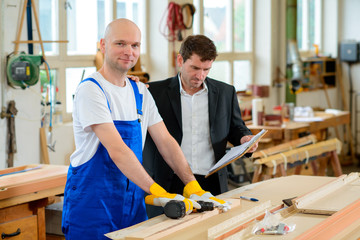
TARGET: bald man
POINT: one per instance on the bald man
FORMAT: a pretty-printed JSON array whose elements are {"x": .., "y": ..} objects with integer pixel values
[{"x": 106, "y": 180}]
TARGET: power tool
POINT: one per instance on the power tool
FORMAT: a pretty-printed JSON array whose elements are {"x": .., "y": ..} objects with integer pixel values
[
  {"x": 23, "y": 70},
  {"x": 175, "y": 209}
]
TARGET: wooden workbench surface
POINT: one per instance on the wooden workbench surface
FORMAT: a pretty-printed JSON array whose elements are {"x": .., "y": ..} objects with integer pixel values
[
  {"x": 292, "y": 130},
  {"x": 26, "y": 185},
  {"x": 24, "y": 193},
  {"x": 274, "y": 190}
]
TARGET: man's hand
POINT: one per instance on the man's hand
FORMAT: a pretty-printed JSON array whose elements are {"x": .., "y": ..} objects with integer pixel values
[
  {"x": 193, "y": 191},
  {"x": 159, "y": 197},
  {"x": 136, "y": 79},
  {"x": 247, "y": 138}
]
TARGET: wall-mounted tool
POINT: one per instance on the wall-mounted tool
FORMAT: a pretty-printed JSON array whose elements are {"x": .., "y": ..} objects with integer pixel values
[
  {"x": 176, "y": 209},
  {"x": 23, "y": 70},
  {"x": 10, "y": 114}
]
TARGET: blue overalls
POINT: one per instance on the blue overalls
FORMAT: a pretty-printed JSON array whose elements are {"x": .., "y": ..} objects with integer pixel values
[{"x": 98, "y": 197}]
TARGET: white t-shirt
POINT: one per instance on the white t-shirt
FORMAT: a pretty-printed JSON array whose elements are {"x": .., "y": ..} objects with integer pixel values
[{"x": 90, "y": 107}]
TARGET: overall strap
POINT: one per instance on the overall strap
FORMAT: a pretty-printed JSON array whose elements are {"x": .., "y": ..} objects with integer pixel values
[
  {"x": 138, "y": 98},
  {"x": 94, "y": 81}
]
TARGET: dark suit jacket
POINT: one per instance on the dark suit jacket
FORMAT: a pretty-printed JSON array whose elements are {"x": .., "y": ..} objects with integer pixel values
[{"x": 225, "y": 120}]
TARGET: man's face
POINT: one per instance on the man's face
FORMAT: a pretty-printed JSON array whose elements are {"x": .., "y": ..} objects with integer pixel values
[
  {"x": 193, "y": 72},
  {"x": 122, "y": 47}
]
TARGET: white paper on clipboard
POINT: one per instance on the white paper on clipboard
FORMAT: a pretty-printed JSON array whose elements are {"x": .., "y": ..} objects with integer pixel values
[{"x": 236, "y": 152}]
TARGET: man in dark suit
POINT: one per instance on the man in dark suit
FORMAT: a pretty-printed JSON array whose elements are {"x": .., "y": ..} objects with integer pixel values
[{"x": 201, "y": 113}]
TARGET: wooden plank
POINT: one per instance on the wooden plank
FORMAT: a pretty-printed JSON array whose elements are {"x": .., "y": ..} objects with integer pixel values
[
  {"x": 162, "y": 226},
  {"x": 301, "y": 153},
  {"x": 31, "y": 196},
  {"x": 336, "y": 224},
  {"x": 335, "y": 163},
  {"x": 43, "y": 146},
  {"x": 351, "y": 232},
  {"x": 331, "y": 197},
  {"x": 302, "y": 223},
  {"x": 18, "y": 34},
  {"x": 275, "y": 133},
  {"x": 16, "y": 169},
  {"x": 290, "y": 134},
  {"x": 44, "y": 173},
  {"x": 15, "y": 212},
  {"x": 329, "y": 120},
  {"x": 33, "y": 186},
  {"x": 285, "y": 146},
  {"x": 22, "y": 187},
  {"x": 232, "y": 224},
  {"x": 39, "y": 210},
  {"x": 245, "y": 224},
  {"x": 275, "y": 190}
]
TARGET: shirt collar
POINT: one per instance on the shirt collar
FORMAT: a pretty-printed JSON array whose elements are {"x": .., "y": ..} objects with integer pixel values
[{"x": 182, "y": 91}]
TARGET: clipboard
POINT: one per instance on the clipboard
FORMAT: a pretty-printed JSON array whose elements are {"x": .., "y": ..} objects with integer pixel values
[{"x": 235, "y": 153}]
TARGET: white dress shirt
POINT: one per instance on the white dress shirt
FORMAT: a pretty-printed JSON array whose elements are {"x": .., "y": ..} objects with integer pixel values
[{"x": 196, "y": 143}]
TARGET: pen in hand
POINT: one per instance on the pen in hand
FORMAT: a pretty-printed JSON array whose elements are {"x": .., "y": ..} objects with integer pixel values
[{"x": 249, "y": 198}]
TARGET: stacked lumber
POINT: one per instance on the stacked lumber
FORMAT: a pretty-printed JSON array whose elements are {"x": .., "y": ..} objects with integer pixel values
[
  {"x": 342, "y": 223},
  {"x": 19, "y": 183},
  {"x": 161, "y": 226},
  {"x": 268, "y": 167}
]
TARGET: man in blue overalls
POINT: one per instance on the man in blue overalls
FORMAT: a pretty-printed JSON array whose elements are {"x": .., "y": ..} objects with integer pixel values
[{"x": 106, "y": 180}]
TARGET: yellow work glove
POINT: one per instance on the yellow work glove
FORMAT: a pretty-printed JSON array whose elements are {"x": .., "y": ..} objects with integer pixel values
[
  {"x": 193, "y": 191},
  {"x": 159, "y": 197}
]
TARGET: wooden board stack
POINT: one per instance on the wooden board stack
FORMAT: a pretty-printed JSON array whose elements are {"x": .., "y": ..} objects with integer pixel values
[{"x": 332, "y": 209}]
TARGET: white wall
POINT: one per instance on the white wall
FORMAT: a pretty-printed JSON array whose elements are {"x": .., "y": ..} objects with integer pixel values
[
  {"x": 28, "y": 118},
  {"x": 27, "y": 102}
]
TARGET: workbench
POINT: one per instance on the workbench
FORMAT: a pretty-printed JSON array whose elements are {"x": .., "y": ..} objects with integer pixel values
[
  {"x": 293, "y": 130},
  {"x": 24, "y": 193},
  {"x": 270, "y": 192}
]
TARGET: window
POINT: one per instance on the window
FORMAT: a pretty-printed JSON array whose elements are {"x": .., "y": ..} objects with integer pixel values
[
  {"x": 229, "y": 24},
  {"x": 308, "y": 24},
  {"x": 83, "y": 24},
  {"x": 48, "y": 25},
  {"x": 134, "y": 10},
  {"x": 86, "y": 22},
  {"x": 73, "y": 78}
]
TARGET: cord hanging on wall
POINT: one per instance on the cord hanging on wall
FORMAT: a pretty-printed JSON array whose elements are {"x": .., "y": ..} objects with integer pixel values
[{"x": 172, "y": 25}]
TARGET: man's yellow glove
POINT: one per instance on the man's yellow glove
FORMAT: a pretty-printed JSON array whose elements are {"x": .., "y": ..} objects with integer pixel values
[
  {"x": 193, "y": 191},
  {"x": 159, "y": 197}
]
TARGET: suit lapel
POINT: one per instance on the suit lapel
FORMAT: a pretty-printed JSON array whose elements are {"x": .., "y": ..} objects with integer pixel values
[
  {"x": 213, "y": 96},
  {"x": 174, "y": 97}
]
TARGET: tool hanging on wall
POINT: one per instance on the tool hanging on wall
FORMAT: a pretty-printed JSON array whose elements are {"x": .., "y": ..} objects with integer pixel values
[
  {"x": 174, "y": 22},
  {"x": 28, "y": 5},
  {"x": 188, "y": 18},
  {"x": 174, "y": 26},
  {"x": 23, "y": 70},
  {"x": 173, "y": 29},
  {"x": 10, "y": 114}
]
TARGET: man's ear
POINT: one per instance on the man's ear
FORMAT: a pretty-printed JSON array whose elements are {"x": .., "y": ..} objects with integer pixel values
[
  {"x": 180, "y": 60},
  {"x": 102, "y": 45}
]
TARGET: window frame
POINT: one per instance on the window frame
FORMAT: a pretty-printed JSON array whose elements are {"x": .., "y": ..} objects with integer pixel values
[
  {"x": 308, "y": 51},
  {"x": 231, "y": 56}
]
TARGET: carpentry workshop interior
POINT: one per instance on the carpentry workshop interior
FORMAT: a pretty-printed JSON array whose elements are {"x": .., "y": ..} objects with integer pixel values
[{"x": 197, "y": 119}]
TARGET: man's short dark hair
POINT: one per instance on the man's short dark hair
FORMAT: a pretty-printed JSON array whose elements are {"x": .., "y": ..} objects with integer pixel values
[{"x": 199, "y": 45}]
